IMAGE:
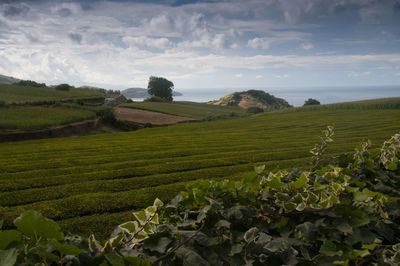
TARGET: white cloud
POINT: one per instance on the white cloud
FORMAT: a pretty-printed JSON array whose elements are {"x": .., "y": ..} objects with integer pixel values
[
  {"x": 258, "y": 76},
  {"x": 307, "y": 46},
  {"x": 259, "y": 43},
  {"x": 353, "y": 74},
  {"x": 397, "y": 74},
  {"x": 240, "y": 75},
  {"x": 284, "y": 76},
  {"x": 160, "y": 43}
]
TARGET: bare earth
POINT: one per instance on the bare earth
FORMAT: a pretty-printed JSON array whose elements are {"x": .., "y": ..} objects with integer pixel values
[{"x": 143, "y": 117}]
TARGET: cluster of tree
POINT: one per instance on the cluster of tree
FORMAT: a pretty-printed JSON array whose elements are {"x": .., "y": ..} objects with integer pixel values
[
  {"x": 30, "y": 83},
  {"x": 161, "y": 88},
  {"x": 311, "y": 101},
  {"x": 63, "y": 87}
]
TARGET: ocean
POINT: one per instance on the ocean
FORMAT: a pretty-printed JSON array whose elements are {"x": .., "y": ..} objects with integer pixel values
[{"x": 296, "y": 96}]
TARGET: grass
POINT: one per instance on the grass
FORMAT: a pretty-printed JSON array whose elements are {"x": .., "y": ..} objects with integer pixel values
[
  {"x": 92, "y": 183},
  {"x": 38, "y": 117},
  {"x": 188, "y": 109},
  {"x": 14, "y": 93}
]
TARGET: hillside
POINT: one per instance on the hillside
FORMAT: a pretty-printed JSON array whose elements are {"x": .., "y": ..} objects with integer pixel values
[
  {"x": 7, "y": 80},
  {"x": 141, "y": 93},
  {"x": 189, "y": 109},
  {"x": 14, "y": 93},
  {"x": 253, "y": 98},
  {"x": 67, "y": 178}
]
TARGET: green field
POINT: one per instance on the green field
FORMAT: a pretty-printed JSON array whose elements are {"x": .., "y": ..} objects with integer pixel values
[
  {"x": 38, "y": 117},
  {"x": 91, "y": 183},
  {"x": 15, "y": 93},
  {"x": 188, "y": 109}
]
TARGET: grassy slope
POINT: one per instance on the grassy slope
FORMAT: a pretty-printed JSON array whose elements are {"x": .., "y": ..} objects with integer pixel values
[
  {"x": 14, "y": 93},
  {"x": 91, "y": 183},
  {"x": 37, "y": 117},
  {"x": 188, "y": 109}
]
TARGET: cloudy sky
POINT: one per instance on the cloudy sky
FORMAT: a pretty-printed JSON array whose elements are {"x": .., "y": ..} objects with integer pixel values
[{"x": 202, "y": 44}]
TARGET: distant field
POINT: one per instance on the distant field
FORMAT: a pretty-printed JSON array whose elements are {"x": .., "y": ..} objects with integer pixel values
[
  {"x": 38, "y": 117},
  {"x": 14, "y": 93},
  {"x": 92, "y": 183},
  {"x": 188, "y": 109}
]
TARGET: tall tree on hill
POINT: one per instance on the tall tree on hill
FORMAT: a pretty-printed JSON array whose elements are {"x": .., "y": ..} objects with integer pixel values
[{"x": 160, "y": 87}]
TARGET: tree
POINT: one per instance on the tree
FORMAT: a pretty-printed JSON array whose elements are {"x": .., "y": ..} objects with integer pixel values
[
  {"x": 311, "y": 101},
  {"x": 160, "y": 87}
]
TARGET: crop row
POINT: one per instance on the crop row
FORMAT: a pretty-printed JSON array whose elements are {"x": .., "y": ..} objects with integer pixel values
[
  {"x": 83, "y": 178},
  {"x": 20, "y": 197}
]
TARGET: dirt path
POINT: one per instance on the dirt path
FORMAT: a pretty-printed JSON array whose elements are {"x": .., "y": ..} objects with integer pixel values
[{"x": 143, "y": 117}]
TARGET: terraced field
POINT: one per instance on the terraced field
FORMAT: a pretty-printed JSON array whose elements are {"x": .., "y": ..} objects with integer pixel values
[
  {"x": 188, "y": 109},
  {"x": 38, "y": 117},
  {"x": 91, "y": 183},
  {"x": 14, "y": 93}
]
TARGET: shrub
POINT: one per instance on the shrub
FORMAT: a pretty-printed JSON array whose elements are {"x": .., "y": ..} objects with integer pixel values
[
  {"x": 63, "y": 87},
  {"x": 2, "y": 104},
  {"x": 311, "y": 101},
  {"x": 254, "y": 110},
  {"x": 156, "y": 99},
  {"x": 30, "y": 83}
]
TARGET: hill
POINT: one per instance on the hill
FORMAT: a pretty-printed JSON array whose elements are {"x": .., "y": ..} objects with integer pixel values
[
  {"x": 92, "y": 183},
  {"x": 253, "y": 98},
  {"x": 141, "y": 93},
  {"x": 7, "y": 79}
]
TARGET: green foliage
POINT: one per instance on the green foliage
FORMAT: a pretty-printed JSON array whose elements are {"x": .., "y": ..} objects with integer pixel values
[
  {"x": 2, "y": 104},
  {"x": 63, "y": 87},
  {"x": 311, "y": 101},
  {"x": 160, "y": 87},
  {"x": 344, "y": 214},
  {"x": 157, "y": 99},
  {"x": 189, "y": 109},
  {"x": 254, "y": 110},
  {"x": 30, "y": 83},
  {"x": 38, "y": 117},
  {"x": 43, "y": 95},
  {"x": 114, "y": 173}
]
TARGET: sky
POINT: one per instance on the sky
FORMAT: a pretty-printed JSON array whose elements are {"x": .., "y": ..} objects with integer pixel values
[{"x": 202, "y": 44}]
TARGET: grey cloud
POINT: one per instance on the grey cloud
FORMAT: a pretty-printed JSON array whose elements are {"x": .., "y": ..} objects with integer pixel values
[
  {"x": 86, "y": 7},
  {"x": 64, "y": 12},
  {"x": 15, "y": 10},
  {"x": 76, "y": 37}
]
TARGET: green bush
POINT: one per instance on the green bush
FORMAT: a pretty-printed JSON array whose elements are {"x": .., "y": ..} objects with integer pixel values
[
  {"x": 2, "y": 104},
  {"x": 254, "y": 110},
  {"x": 63, "y": 87},
  {"x": 311, "y": 101},
  {"x": 156, "y": 99},
  {"x": 30, "y": 83}
]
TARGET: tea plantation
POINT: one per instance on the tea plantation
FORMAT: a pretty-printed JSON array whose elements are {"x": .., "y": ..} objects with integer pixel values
[{"x": 91, "y": 184}]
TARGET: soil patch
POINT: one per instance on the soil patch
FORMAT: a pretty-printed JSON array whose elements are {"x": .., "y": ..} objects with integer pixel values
[{"x": 154, "y": 118}]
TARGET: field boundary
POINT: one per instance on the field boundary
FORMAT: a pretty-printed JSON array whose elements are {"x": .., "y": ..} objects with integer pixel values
[{"x": 76, "y": 128}]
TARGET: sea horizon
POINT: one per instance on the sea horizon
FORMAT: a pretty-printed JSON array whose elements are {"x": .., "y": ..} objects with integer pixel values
[{"x": 296, "y": 95}]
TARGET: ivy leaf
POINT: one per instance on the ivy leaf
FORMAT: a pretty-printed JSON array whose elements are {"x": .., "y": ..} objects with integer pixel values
[
  {"x": 303, "y": 179},
  {"x": 251, "y": 234},
  {"x": 65, "y": 248},
  {"x": 9, "y": 236},
  {"x": 259, "y": 169},
  {"x": 328, "y": 248},
  {"x": 129, "y": 227},
  {"x": 33, "y": 224},
  {"x": 158, "y": 203},
  {"x": 114, "y": 259},
  {"x": 141, "y": 216},
  {"x": 8, "y": 257}
]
